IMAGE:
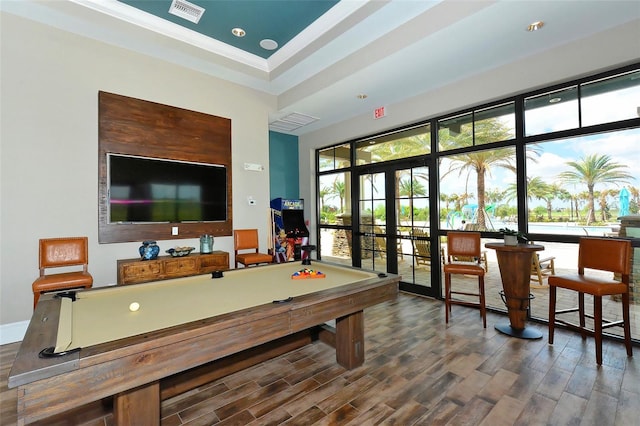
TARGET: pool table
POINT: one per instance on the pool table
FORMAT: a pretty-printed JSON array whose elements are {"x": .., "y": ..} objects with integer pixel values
[{"x": 102, "y": 348}]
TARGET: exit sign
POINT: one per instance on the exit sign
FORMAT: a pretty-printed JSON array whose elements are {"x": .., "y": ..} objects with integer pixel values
[{"x": 379, "y": 113}]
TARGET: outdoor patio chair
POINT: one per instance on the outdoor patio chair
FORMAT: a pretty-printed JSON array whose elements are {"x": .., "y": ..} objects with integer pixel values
[{"x": 541, "y": 268}]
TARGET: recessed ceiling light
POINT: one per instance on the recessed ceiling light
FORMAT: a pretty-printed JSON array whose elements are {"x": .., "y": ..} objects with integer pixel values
[
  {"x": 269, "y": 44},
  {"x": 362, "y": 96},
  {"x": 238, "y": 32},
  {"x": 535, "y": 26},
  {"x": 554, "y": 100}
]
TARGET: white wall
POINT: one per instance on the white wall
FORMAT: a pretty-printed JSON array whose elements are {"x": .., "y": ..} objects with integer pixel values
[
  {"x": 49, "y": 147},
  {"x": 607, "y": 50}
]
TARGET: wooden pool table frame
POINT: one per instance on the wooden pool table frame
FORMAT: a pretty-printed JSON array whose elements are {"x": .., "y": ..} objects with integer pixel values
[{"x": 130, "y": 369}]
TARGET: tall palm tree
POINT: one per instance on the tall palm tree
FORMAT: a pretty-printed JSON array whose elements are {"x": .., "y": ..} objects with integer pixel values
[
  {"x": 538, "y": 189},
  {"x": 592, "y": 170},
  {"x": 481, "y": 163}
]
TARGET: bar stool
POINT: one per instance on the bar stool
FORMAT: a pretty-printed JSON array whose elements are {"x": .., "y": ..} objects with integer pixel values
[
  {"x": 604, "y": 254},
  {"x": 467, "y": 245}
]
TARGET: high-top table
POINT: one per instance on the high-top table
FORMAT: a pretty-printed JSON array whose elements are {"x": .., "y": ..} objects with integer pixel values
[{"x": 515, "y": 271}]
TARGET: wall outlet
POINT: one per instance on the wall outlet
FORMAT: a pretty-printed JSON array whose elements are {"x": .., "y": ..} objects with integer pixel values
[{"x": 174, "y": 230}]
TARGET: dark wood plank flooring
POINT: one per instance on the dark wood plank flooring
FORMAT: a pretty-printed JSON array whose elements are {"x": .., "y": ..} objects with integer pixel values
[{"x": 418, "y": 371}]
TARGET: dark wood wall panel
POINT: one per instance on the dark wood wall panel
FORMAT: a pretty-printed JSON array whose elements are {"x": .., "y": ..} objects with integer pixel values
[{"x": 137, "y": 127}]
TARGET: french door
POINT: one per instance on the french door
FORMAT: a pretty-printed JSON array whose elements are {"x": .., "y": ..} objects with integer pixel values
[{"x": 395, "y": 225}]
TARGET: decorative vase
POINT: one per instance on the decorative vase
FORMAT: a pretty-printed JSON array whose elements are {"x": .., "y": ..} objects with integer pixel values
[
  {"x": 149, "y": 250},
  {"x": 206, "y": 243},
  {"x": 510, "y": 240}
]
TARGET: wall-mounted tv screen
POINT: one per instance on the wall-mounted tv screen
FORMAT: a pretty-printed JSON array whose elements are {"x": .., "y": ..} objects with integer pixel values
[{"x": 142, "y": 189}]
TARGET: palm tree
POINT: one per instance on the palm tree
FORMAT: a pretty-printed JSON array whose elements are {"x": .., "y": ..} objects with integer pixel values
[
  {"x": 538, "y": 189},
  {"x": 481, "y": 162},
  {"x": 339, "y": 190},
  {"x": 592, "y": 170}
]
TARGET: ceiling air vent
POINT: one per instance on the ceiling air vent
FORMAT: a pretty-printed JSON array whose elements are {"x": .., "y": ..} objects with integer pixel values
[
  {"x": 291, "y": 122},
  {"x": 186, "y": 10}
]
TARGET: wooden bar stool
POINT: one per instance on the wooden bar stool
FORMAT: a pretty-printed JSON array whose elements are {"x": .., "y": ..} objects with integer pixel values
[
  {"x": 466, "y": 245},
  {"x": 604, "y": 254}
]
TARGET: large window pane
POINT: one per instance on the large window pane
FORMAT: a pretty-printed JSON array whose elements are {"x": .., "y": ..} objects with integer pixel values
[
  {"x": 477, "y": 190},
  {"x": 551, "y": 112},
  {"x": 407, "y": 143},
  {"x": 578, "y": 186},
  {"x": 372, "y": 221},
  {"x": 455, "y": 132},
  {"x": 337, "y": 157},
  {"x": 611, "y": 99},
  {"x": 495, "y": 124},
  {"x": 335, "y": 198}
]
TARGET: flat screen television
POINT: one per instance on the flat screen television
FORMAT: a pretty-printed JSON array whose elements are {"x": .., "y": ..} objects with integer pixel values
[{"x": 153, "y": 190}]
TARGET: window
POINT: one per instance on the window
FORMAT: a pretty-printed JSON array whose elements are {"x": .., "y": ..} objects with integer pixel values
[
  {"x": 335, "y": 198},
  {"x": 404, "y": 144},
  {"x": 482, "y": 126},
  {"x": 478, "y": 190},
  {"x": 575, "y": 188},
  {"x": 611, "y": 99},
  {"x": 551, "y": 112},
  {"x": 337, "y": 157}
]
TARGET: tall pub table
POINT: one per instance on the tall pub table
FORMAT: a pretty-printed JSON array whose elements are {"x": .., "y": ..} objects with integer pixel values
[{"x": 515, "y": 270}]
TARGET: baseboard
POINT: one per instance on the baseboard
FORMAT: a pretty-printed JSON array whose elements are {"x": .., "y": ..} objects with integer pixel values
[{"x": 13, "y": 332}]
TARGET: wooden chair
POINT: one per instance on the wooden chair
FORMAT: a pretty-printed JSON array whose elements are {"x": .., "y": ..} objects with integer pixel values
[
  {"x": 604, "y": 254},
  {"x": 541, "y": 268},
  {"x": 421, "y": 247},
  {"x": 467, "y": 245},
  {"x": 381, "y": 244},
  {"x": 62, "y": 252},
  {"x": 247, "y": 239}
]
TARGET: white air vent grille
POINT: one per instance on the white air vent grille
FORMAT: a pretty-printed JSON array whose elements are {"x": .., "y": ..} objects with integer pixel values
[
  {"x": 291, "y": 122},
  {"x": 186, "y": 10}
]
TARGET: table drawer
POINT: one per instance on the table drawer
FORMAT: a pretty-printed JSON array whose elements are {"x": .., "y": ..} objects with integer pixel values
[
  {"x": 141, "y": 270},
  {"x": 181, "y": 266},
  {"x": 216, "y": 262}
]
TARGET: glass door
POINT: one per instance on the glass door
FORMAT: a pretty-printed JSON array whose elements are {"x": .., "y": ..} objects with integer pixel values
[
  {"x": 395, "y": 230},
  {"x": 413, "y": 230}
]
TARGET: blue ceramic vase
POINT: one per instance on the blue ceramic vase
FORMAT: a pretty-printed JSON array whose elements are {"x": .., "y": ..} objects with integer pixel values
[{"x": 149, "y": 250}]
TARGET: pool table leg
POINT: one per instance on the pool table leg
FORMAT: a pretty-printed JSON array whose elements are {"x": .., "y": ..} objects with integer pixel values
[
  {"x": 138, "y": 406},
  {"x": 350, "y": 340}
]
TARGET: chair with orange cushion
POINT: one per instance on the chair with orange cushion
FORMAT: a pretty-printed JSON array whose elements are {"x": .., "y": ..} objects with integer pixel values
[
  {"x": 247, "y": 239},
  {"x": 603, "y": 254},
  {"x": 464, "y": 245},
  {"x": 62, "y": 252}
]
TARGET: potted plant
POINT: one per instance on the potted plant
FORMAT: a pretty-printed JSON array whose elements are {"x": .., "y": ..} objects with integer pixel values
[{"x": 511, "y": 236}]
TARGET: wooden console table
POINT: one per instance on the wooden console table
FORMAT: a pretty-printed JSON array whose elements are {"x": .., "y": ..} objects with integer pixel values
[
  {"x": 133, "y": 271},
  {"x": 515, "y": 271}
]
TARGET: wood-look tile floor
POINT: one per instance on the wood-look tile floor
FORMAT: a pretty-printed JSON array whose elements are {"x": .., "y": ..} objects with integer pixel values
[{"x": 418, "y": 371}]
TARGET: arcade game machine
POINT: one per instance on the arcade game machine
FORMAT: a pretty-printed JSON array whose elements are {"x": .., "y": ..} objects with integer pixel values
[{"x": 290, "y": 231}]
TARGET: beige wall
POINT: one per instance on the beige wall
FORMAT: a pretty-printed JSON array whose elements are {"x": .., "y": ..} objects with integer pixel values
[{"x": 49, "y": 146}]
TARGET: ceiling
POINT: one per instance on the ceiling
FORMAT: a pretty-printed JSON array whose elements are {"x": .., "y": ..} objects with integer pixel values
[{"x": 330, "y": 53}]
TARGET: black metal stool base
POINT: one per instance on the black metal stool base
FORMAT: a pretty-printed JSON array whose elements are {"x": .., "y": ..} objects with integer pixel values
[{"x": 526, "y": 333}]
